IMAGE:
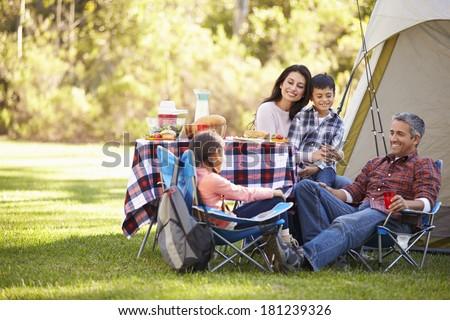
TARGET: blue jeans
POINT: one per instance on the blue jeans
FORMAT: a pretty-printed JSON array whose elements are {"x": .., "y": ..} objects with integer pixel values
[
  {"x": 330, "y": 227},
  {"x": 251, "y": 209},
  {"x": 326, "y": 175},
  {"x": 338, "y": 182},
  {"x": 341, "y": 181}
]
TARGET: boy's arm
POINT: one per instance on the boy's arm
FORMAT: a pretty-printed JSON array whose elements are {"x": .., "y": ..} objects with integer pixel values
[
  {"x": 335, "y": 148},
  {"x": 295, "y": 138}
]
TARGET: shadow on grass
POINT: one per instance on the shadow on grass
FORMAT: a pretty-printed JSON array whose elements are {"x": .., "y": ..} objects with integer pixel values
[
  {"x": 79, "y": 190},
  {"x": 77, "y": 259}
]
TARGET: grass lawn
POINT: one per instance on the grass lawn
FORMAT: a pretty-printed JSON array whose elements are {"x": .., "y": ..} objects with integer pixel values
[{"x": 60, "y": 238}]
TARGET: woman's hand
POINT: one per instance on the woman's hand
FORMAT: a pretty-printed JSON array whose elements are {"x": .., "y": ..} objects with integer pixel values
[{"x": 309, "y": 171}]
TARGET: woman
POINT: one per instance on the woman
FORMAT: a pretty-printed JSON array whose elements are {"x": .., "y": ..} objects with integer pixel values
[{"x": 290, "y": 94}]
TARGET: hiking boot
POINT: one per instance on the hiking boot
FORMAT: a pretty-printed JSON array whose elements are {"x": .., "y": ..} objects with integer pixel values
[
  {"x": 283, "y": 257},
  {"x": 294, "y": 257},
  {"x": 274, "y": 252},
  {"x": 293, "y": 243}
]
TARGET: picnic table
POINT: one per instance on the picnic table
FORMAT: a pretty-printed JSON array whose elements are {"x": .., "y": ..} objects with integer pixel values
[{"x": 247, "y": 163}]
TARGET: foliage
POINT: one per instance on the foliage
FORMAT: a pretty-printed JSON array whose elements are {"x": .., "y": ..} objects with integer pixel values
[{"x": 93, "y": 69}]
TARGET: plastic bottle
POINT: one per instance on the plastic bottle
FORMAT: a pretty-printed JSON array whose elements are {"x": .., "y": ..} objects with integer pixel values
[{"x": 201, "y": 106}]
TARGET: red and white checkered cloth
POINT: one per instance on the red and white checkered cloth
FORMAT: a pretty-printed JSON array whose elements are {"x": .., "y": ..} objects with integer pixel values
[{"x": 250, "y": 164}]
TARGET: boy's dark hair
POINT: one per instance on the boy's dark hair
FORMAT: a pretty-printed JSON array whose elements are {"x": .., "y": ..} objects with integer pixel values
[
  {"x": 322, "y": 81},
  {"x": 204, "y": 145}
]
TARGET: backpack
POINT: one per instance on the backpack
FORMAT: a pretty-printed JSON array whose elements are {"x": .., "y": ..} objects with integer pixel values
[{"x": 185, "y": 243}]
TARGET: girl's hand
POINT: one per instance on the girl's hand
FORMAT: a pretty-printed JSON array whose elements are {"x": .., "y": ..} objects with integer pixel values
[{"x": 278, "y": 194}]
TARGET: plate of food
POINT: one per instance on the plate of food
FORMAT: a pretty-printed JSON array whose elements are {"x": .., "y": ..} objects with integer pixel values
[
  {"x": 166, "y": 134},
  {"x": 245, "y": 139},
  {"x": 278, "y": 138}
]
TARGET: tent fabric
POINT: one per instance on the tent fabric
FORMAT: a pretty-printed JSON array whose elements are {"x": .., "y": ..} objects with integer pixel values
[
  {"x": 416, "y": 79},
  {"x": 410, "y": 65},
  {"x": 390, "y": 17}
]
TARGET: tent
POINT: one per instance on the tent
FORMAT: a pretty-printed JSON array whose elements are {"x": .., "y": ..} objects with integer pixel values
[{"x": 407, "y": 47}]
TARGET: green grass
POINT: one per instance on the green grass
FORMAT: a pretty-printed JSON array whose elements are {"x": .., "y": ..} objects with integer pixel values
[{"x": 61, "y": 238}]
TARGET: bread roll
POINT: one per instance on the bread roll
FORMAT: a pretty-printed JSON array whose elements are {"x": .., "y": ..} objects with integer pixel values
[
  {"x": 255, "y": 134},
  {"x": 212, "y": 120}
]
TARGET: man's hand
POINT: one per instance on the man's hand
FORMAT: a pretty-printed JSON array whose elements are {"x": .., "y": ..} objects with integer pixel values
[
  {"x": 308, "y": 171},
  {"x": 340, "y": 194},
  {"x": 398, "y": 204}
]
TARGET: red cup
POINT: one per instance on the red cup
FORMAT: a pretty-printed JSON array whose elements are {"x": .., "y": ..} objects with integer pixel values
[{"x": 388, "y": 195}]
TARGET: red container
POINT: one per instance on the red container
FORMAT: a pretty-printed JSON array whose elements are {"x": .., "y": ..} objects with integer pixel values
[
  {"x": 388, "y": 195},
  {"x": 167, "y": 119}
]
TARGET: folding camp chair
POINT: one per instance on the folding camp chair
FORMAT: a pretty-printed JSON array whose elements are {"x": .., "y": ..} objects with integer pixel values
[
  {"x": 390, "y": 241},
  {"x": 251, "y": 231}
]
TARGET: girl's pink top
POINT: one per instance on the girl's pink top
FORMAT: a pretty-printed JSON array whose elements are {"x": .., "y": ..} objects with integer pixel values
[{"x": 213, "y": 188}]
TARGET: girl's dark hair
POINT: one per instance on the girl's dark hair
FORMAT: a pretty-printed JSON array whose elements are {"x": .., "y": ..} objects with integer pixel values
[
  {"x": 276, "y": 91},
  {"x": 204, "y": 145}
]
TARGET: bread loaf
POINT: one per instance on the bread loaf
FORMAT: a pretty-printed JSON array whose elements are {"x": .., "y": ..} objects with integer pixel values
[{"x": 212, "y": 120}]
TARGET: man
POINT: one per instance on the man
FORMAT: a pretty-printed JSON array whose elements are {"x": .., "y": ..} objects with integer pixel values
[{"x": 330, "y": 226}]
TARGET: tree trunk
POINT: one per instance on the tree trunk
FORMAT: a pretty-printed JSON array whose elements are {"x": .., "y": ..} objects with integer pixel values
[
  {"x": 240, "y": 15},
  {"x": 58, "y": 22},
  {"x": 20, "y": 29},
  {"x": 72, "y": 24}
]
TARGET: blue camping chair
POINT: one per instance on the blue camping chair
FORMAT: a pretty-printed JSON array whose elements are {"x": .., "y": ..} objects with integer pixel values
[
  {"x": 387, "y": 241},
  {"x": 251, "y": 231}
]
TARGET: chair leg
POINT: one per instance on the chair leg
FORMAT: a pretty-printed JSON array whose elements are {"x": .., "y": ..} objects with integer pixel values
[
  {"x": 425, "y": 250},
  {"x": 380, "y": 252},
  {"x": 238, "y": 252},
  {"x": 357, "y": 256},
  {"x": 144, "y": 241}
]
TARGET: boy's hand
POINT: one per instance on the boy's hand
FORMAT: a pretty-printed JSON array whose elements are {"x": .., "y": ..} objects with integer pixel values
[
  {"x": 331, "y": 153},
  {"x": 320, "y": 154},
  {"x": 308, "y": 171}
]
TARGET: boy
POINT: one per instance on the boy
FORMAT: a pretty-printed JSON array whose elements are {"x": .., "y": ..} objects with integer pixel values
[{"x": 317, "y": 132}]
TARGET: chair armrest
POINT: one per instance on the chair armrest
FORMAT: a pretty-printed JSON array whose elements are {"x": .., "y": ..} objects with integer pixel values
[
  {"x": 412, "y": 212},
  {"x": 262, "y": 218}
]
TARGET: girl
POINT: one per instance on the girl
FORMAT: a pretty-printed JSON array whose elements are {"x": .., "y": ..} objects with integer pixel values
[
  {"x": 290, "y": 93},
  {"x": 214, "y": 189}
]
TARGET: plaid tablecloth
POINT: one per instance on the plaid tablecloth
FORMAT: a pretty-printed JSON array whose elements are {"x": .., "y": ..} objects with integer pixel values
[{"x": 249, "y": 164}]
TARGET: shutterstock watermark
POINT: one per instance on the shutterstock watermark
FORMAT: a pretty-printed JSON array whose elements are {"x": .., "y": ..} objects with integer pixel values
[
  {"x": 240, "y": 157},
  {"x": 117, "y": 152}
]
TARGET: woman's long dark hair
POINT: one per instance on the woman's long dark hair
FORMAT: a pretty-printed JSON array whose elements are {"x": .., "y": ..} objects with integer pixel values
[{"x": 276, "y": 91}]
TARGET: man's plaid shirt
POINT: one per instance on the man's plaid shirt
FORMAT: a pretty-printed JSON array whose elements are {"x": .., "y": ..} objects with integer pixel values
[
  {"x": 409, "y": 176},
  {"x": 307, "y": 135}
]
